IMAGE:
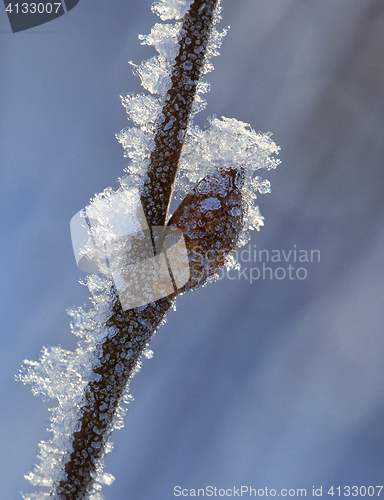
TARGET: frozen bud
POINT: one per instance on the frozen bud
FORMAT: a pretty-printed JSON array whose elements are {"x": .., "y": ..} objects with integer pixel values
[{"x": 211, "y": 219}]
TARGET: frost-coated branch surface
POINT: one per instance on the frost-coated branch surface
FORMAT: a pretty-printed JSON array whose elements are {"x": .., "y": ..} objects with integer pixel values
[
  {"x": 213, "y": 172},
  {"x": 176, "y": 114}
]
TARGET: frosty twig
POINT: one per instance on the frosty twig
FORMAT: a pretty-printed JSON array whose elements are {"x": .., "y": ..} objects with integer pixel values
[
  {"x": 176, "y": 113},
  {"x": 214, "y": 171},
  {"x": 132, "y": 329}
]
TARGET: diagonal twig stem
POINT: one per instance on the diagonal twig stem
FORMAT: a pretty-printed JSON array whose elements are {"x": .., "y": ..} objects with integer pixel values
[
  {"x": 117, "y": 356},
  {"x": 177, "y": 111}
]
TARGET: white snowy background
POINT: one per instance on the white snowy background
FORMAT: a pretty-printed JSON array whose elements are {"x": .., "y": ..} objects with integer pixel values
[{"x": 274, "y": 384}]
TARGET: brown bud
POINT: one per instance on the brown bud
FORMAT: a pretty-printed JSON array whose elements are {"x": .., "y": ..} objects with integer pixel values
[{"x": 211, "y": 219}]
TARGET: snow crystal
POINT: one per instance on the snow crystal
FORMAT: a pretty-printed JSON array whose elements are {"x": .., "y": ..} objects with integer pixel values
[
  {"x": 148, "y": 353},
  {"x": 199, "y": 104},
  {"x": 138, "y": 144},
  {"x": 107, "y": 224},
  {"x": 107, "y": 479},
  {"x": 154, "y": 74},
  {"x": 115, "y": 215},
  {"x": 171, "y": 9},
  {"x": 164, "y": 38},
  {"x": 118, "y": 422},
  {"x": 210, "y": 204},
  {"x": 57, "y": 375},
  {"x": 142, "y": 109},
  {"x": 128, "y": 398}
]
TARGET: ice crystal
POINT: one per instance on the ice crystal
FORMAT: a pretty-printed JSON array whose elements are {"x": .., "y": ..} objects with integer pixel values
[
  {"x": 154, "y": 74},
  {"x": 148, "y": 353},
  {"x": 164, "y": 37},
  {"x": 142, "y": 109},
  {"x": 171, "y": 9}
]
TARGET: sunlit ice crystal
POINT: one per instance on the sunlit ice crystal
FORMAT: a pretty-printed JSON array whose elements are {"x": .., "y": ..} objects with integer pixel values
[
  {"x": 105, "y": 227},
  {"x": 164, "y": 37},
  {"x": 154, "y": 74},
  {"x": 170, "y": 9},
  {"x": 141, "y": 109}
]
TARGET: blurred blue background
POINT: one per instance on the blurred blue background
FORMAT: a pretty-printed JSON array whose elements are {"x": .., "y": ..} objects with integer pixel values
[{"x": 278, "y": 383}]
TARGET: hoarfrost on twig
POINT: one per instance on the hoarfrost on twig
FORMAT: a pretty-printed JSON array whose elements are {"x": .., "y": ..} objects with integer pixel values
[{"x": 216, "y": 178}]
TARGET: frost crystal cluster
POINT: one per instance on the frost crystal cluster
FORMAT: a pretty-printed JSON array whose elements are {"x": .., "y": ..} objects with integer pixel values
[{"x": 212, "y": 171}]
